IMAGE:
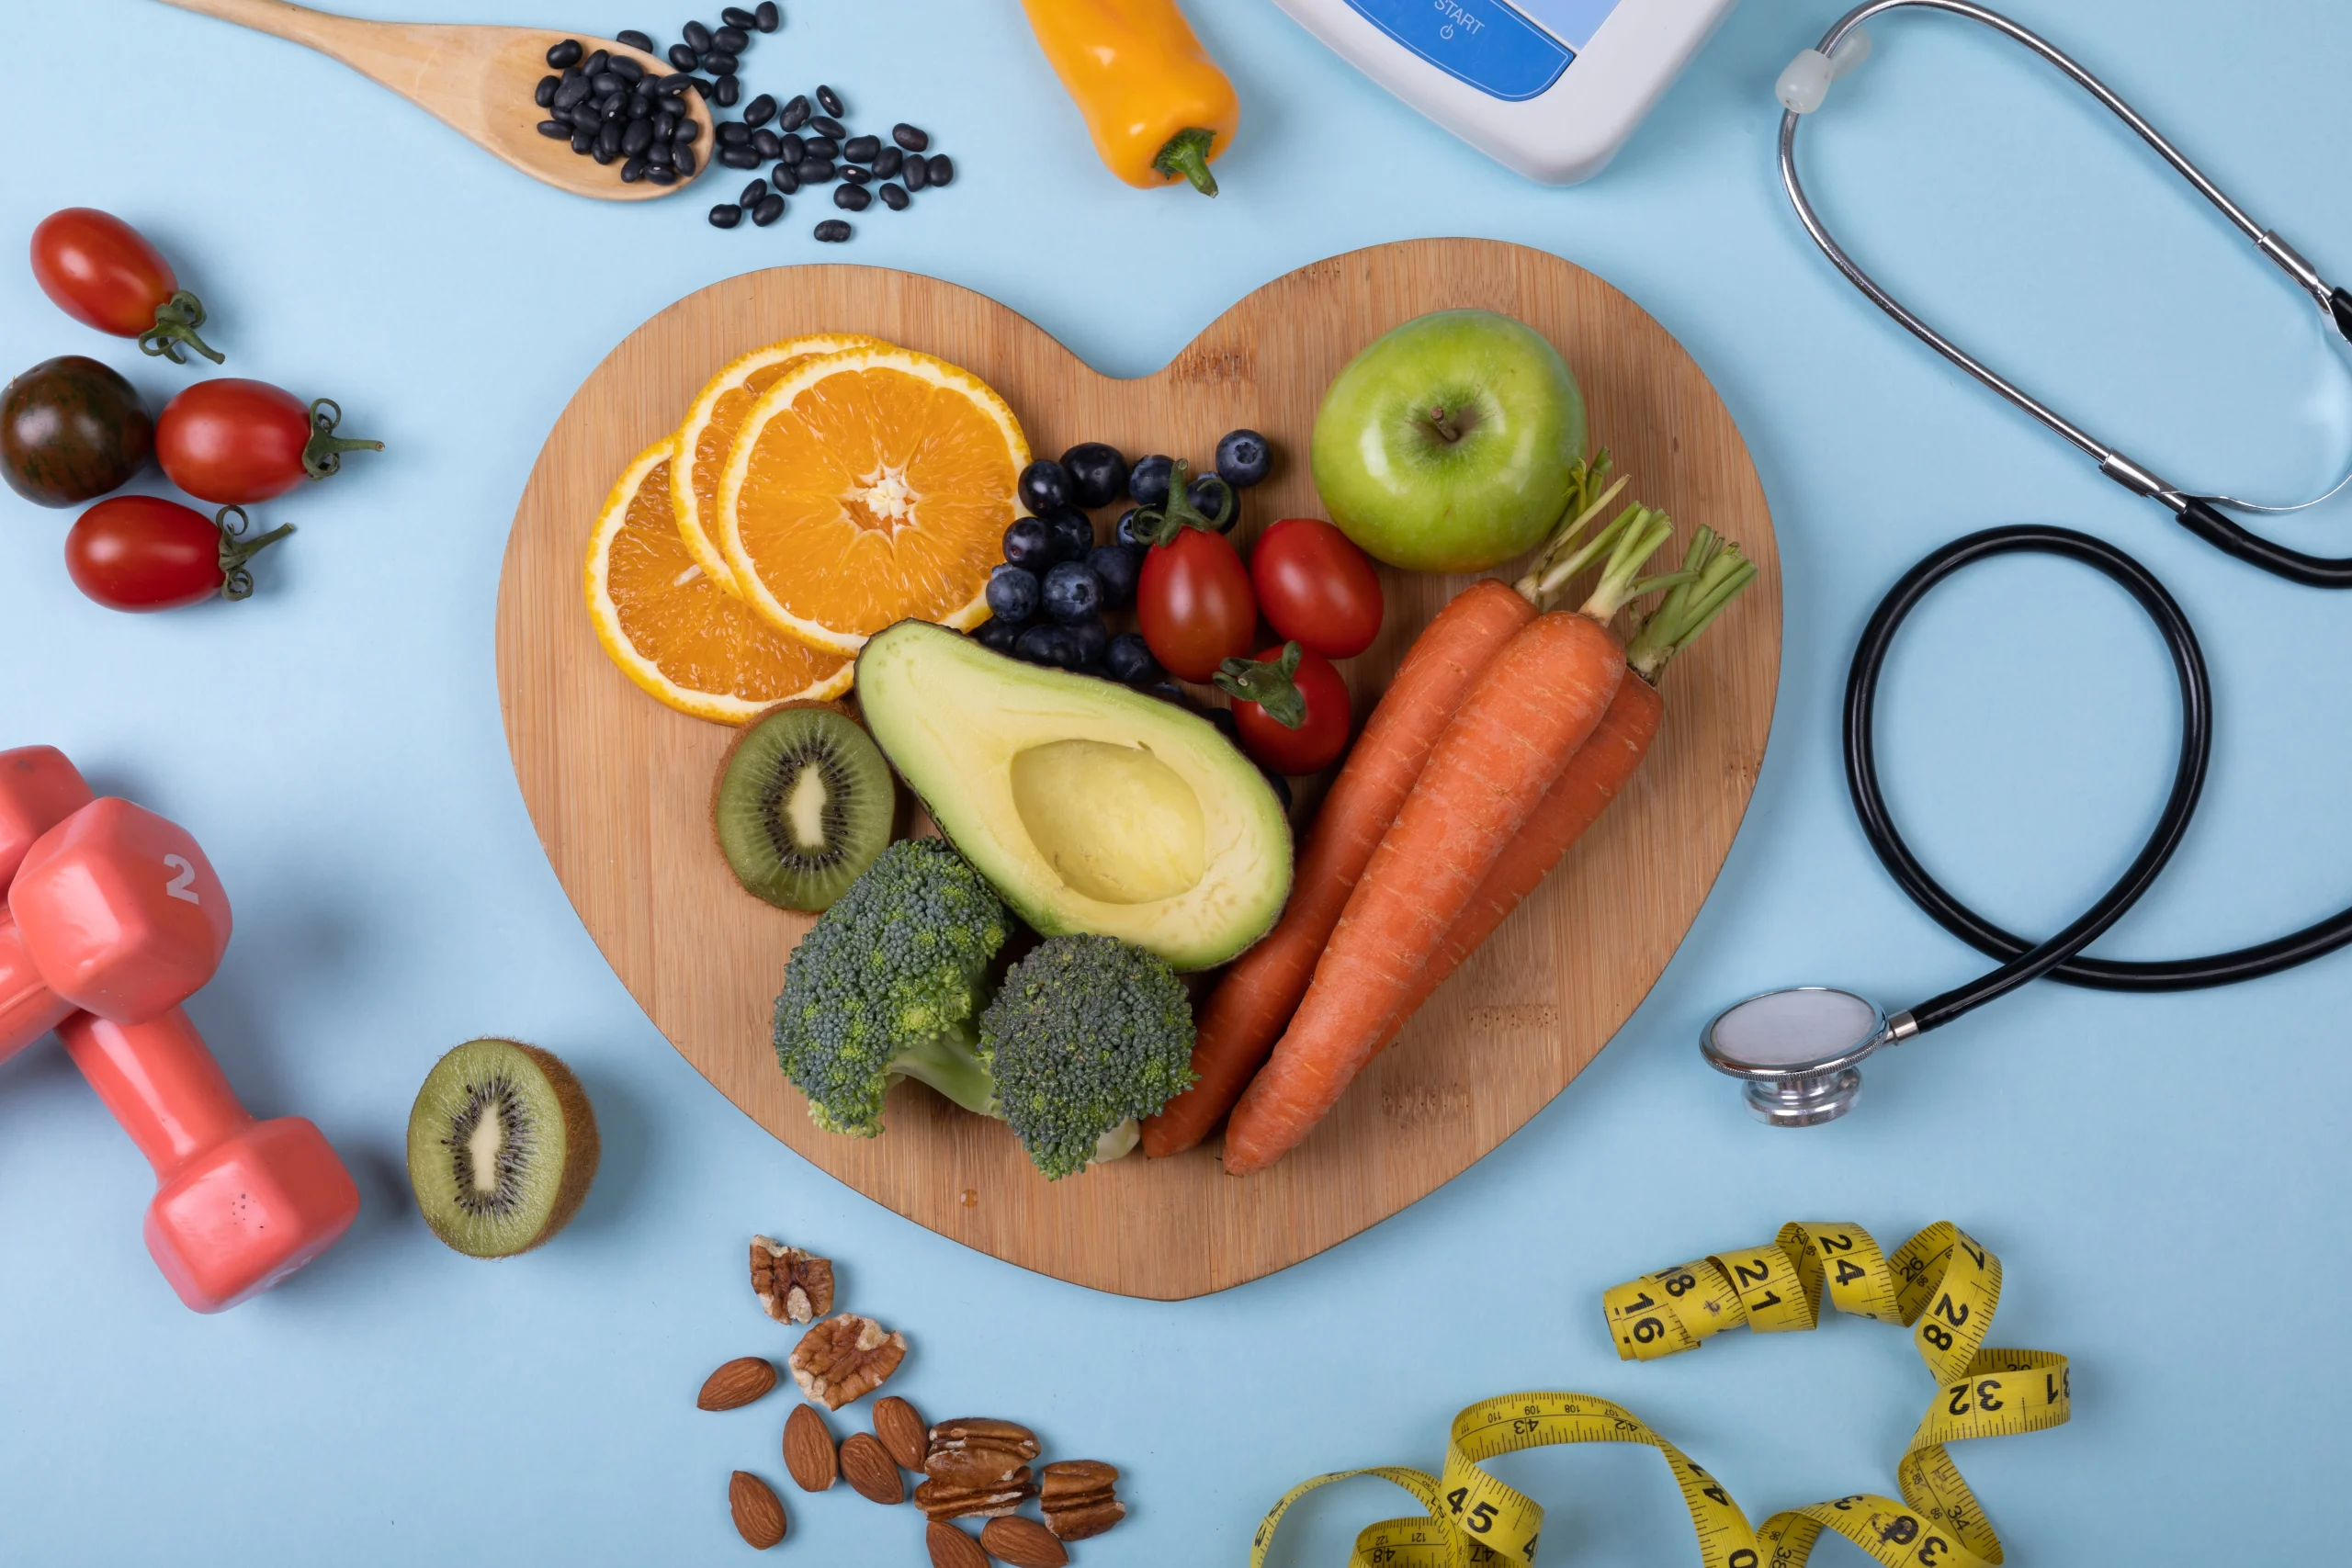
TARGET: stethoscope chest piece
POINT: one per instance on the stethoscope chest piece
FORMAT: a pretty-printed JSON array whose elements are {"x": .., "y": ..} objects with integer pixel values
[{"x": 1800, "y": 1051}]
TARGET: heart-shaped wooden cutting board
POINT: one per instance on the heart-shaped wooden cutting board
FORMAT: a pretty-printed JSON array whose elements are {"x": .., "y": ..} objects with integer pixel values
[{"x": 619, "y": 786}]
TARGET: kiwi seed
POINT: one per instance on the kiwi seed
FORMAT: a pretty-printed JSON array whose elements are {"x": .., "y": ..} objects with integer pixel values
[
  {"x": 805, "y": 803},
  {"x": 502, "y": 1145}
]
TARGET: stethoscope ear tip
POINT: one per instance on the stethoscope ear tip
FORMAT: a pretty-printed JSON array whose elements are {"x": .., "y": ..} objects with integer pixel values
[
  {"x": 1804, "y": 86},
  {"x": 1797, "y": 1050}
]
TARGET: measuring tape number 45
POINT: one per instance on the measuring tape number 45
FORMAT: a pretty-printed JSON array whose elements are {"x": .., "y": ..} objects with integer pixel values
[{"x": 1940, "y": 1284}]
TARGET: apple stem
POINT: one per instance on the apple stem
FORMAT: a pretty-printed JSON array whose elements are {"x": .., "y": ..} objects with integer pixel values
[{"x": 1443, "y": 424}]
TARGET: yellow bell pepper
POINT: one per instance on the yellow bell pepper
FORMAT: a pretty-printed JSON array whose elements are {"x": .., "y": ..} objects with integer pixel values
[{"x": 1156, "y": 105}]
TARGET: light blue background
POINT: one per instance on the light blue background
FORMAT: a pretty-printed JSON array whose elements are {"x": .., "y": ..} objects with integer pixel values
[{"x": 2162, "y": 1175}]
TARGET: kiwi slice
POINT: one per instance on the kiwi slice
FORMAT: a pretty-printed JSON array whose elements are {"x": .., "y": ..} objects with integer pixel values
[
  {"x": 804, "y": 805},
  {"x": 502, "y": 1145}
]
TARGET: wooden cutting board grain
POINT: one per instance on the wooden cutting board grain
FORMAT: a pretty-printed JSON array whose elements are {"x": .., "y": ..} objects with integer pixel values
[{"x": 618, "y": 786}]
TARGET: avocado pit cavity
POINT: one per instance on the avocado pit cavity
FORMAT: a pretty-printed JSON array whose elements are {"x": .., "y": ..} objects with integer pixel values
[{"x": 1115, "y": 823}]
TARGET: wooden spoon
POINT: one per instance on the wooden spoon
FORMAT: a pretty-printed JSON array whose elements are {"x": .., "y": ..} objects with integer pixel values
[{"x": 477, "y": 80}]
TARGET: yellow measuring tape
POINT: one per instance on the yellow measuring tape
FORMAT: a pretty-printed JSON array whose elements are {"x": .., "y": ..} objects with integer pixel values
[{"x": 1940, "y": 1284}]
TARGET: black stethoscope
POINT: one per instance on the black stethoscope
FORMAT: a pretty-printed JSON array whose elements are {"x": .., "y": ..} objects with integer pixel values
[{"x": 1799, "y": 1049}]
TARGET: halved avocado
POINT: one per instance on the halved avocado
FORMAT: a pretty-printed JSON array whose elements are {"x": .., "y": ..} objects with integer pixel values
[{"x": 1091, "y": 808}]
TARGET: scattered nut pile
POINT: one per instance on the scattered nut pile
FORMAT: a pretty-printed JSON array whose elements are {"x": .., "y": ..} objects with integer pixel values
[{"x": 975, "y": 1467}]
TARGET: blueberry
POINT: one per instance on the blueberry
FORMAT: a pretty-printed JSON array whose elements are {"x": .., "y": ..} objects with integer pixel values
[
  {"x": 1118, "y": 567},
  {"x": 1129, "y": 658},
  {"x": 1147, "y": 481},
  {"x": 1280, "y": 785},
  {"x": 1073, "y": 534},
  {"x": 1090, "y": 639},
  {"x": 1207, "y": 493},
  {"x": 1044, "y": 484},
  {"x": 1097, "y": 473},
  {"x": 1012, "y": 594},
  {"x": 1073, "y": 593},
  {"x": 1029, "y": 543},
  {"x": 996, "y": 635},
  {"x": 1243, "y": 457},
  {"x": 1047, "y": 644},
  {"x": 1125, "y": 532},
  {"x": 1226, "y": 724}
]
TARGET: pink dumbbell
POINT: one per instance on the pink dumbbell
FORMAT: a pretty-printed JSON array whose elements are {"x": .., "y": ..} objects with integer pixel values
[{"x": 114, "y": 916}]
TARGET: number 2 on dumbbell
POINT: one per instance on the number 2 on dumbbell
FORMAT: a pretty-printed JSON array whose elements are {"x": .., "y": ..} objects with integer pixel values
[{"x": 184, "y": 884}]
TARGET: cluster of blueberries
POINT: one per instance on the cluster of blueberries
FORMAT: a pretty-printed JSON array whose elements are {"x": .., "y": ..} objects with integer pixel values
[{"x": 1048, "y": 599}]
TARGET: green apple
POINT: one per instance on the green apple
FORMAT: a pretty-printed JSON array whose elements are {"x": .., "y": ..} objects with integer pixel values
[{"x": 1447, "y": 444}]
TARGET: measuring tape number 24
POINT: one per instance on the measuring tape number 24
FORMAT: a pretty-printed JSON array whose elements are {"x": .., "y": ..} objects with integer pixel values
[{"x": 1940, "y": 1284}]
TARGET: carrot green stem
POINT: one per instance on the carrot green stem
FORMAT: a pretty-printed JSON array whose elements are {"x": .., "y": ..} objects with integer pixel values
[
  {"x": 1639, "y": 532},
  {"x": 1558, "y": 559},
  {"x": 1185, "y": 156},
  {"x": 1714, "y": 571}
]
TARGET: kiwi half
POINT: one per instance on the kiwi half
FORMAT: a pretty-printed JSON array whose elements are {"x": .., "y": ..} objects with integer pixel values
[
  {"x": 502, "y": 1145},
  {"x": 805, "y": 803}
]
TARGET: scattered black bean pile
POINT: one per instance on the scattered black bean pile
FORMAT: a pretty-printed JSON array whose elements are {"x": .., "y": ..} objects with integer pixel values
[{"x": 614, "y": 110}]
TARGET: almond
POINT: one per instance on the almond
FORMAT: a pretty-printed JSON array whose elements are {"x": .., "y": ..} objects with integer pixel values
[
  {"x": 901, "y": 1431},
  {"x": 809, "y": 1449},
  {"x": 736, "y": 1384},
  {"x": 759, "y": 1516},
  {"x": 951, "y": 1547},
  {"x": 1021, "y": 1543},
  {"x": 871, "y": 1469}
]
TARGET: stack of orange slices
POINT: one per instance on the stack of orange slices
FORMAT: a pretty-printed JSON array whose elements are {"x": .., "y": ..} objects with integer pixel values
[{"x": 819, "y": 489}]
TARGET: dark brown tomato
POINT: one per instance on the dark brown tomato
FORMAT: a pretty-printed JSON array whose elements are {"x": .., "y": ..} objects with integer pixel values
[{"x": 71, "y": 429}]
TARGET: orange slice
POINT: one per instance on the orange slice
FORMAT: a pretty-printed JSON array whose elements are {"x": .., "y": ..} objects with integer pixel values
[
  {"x": 670, "y": 627},
  {"x": 869, "y": 487},
  {"x": 709, "y": 429}
]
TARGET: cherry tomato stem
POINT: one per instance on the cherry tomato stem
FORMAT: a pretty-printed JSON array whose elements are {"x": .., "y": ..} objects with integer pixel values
[
  {"x": 1291, "y": 708},
  {"x": 1270, "y": 685}
]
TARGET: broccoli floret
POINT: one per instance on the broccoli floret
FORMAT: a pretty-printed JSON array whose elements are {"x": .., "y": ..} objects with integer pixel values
[
  {"x": 1085, "y": 1035},
  {"x": 887, "y": 986}
]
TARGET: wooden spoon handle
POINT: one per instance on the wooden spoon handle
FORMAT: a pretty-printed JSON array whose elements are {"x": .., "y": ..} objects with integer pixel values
[{"x": 322, "y": 31}]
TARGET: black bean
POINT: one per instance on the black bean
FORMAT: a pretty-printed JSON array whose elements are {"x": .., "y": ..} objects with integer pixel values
[
  {"x": 662, "y": 154},
  {"x": 613, "y": 109},
  {"x": 812, "y": 171},
  {"x": 634, "y": 38},
  {"x": 681, "y": 56},
  {"x": 647, "y": 85},
  {"x": 794, "y": 115},
  {"x": 719, "y": 63},
  {"x": 682, "y": 159},
  {"x": 595, "y": 65},
  {"x": 826, "y": 125},
  {"x": 608, "y": 142},
  {"x": 634, "y": 170},
  {"x": 661, "y": 176},
  {"x": 582, "y": 141},
  {"x": 731, "y": 40},
  {"x": 601, "y": 156},
  {"x": 696, "y": 35},
  {"x": 791, "y": 149},
  {"x": 833, "y": 231},
  {"x": 729, "y": 88},
  {"x": 862, "y": 149},
  {"x": 608, "y": 85},
  {"x": 689, "y": 130},
  {"x": 570, "y": 93},
  {"x": 886, "y": 162},
  {"x": 852, "y": 198},
  {"x": 554, "y": 129},
  {"x": 759, "y": 110},
  {"x": 736, "y": 17},
  {"x": 726, "y": 215},
  {"x": 823, "y": 147},
  {"x": 768, "y": 211},
  {"x": 767, "y": 143},
  {"x": 571, "y": 71},
  {"x": 665, "y": 125},
  {"x": 917, "y": 173},
  {"x": 854, "y": 175},
  {"x": 585, "y": 117},
  {"x": 568, "y": 52},
  {"x": 752, "y": 194},
  {"x": 629, "y": 70},
  {"x": 544, "y": 95},
  {"x": 739, "y": 157},
  {"x": 787, "y": 179},
  {"x": 941, "y": 168},
  {"x": 701, "y": 87},
  {"x": 769, "y": 16},
  {"x": 637, "y": 137},
  {"x": 909, "y": 137},
  {"x": 831, "y": 99},
  {"x": 894, "y": 197},
  {"x": 731, "y": 134},
  {"x": 676, "y": 85},
  {"x": 640, "y": 109}
]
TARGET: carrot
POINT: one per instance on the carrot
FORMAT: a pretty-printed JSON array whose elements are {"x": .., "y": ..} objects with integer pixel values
[
  {"x": 1516, "y": 732},
  {"x": 1257, "y": 995},
  {"x": 1602, "y": 766}
]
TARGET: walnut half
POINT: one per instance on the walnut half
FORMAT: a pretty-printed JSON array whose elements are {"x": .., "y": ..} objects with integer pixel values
[
  {"x": 793, "y": 1286},
  {"x": 845, "y": 1358}
]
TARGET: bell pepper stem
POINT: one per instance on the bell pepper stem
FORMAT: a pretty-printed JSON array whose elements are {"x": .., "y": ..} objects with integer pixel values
[
  {"x": 1186, "y": 155},
  {"x": 322, "y": 453},
  {"x": 1267, "y": 683},
  {"x": 176, "y": 320}
]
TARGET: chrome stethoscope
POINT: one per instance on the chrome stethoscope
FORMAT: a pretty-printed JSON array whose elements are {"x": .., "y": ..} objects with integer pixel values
[{"x": 1800, "y": 1050}]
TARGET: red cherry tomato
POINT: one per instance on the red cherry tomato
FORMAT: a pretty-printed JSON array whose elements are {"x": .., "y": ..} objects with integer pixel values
[
  {"x": 232, "y": 442},
  {"x": 1321, "y": 735},
  {"x": 104, "y": 273},
  {"x": 1193, "y": 604},
  {"x": 1317, "y": 590},
  {"x": 141, "y": 552}
]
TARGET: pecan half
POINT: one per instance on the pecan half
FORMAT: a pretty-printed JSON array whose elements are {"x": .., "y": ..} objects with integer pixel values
[
  {"x": 1076, "y": 1496},
  {"x": 942, "y": 1500},
  {"x": 845, "y": 1358},
  {"x": 793, "y": 1286}
]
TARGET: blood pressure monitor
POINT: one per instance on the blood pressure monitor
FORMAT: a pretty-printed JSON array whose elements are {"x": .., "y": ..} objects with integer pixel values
[{"x": 1550, "y": 88}]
